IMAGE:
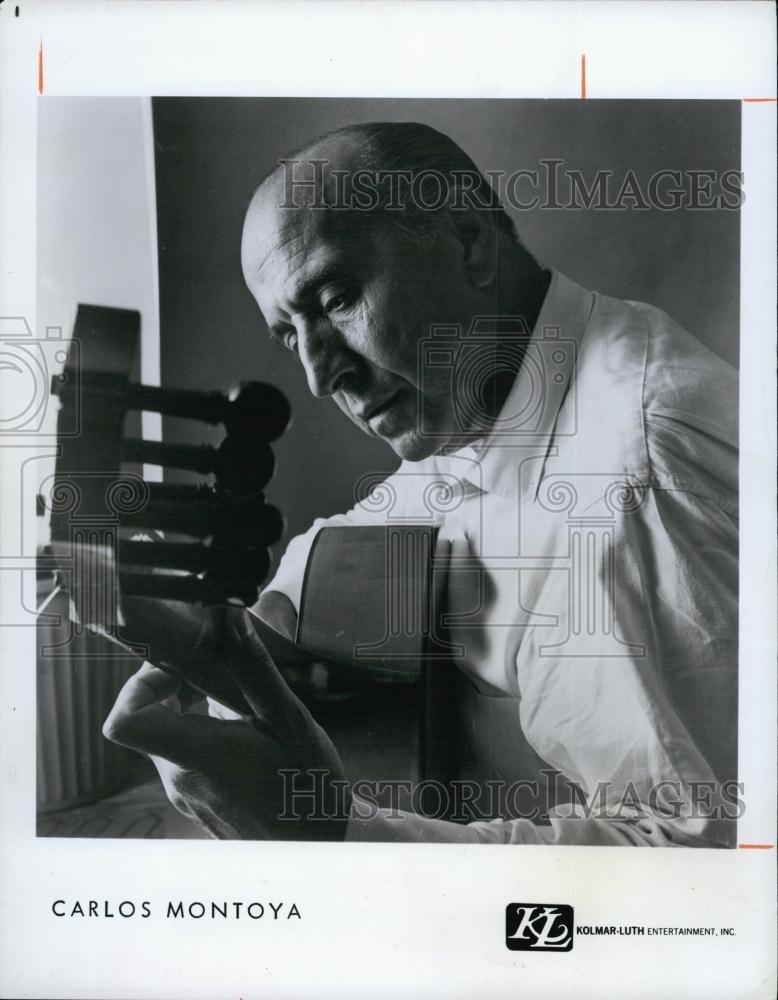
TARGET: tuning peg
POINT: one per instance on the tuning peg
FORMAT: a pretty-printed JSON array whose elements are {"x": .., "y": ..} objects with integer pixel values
[
  {"x": 240, "y": 466},
  {"x": 257, "y": 408}
]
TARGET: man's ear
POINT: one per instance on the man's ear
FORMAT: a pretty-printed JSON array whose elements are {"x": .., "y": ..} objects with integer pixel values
[{"x": 475, "y": 230}]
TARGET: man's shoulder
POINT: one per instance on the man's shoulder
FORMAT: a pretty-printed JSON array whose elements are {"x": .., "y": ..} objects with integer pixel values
[
  {"x": 630, "y": 341},
  {"x": 650, "y": 399}
]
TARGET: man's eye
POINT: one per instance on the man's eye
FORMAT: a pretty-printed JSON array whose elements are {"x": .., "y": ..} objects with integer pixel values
[
  {"x": 338, "y": 301},
  {"x": 286, "y": 339}
]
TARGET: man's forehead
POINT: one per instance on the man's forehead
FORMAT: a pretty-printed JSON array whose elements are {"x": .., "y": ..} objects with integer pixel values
[
  {"x": 273, "y": 234},
  {"x": 283, "y": 214}
]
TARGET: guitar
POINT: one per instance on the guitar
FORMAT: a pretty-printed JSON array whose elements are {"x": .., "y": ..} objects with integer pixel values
[
  {"x": 370, "y": 657},
  {"x": 367, "y": 653}
]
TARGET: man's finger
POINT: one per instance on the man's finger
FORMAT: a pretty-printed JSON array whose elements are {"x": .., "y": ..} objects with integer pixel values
[
  {"x": 265, "y": 689},
  {"x": 157, "y": 683},
  {"x": 140, "y": 721}
]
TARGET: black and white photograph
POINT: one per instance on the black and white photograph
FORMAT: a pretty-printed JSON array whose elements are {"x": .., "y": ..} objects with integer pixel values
[
  {"x": 507, "y": 556},
  {"x": 387, "y": 436}
]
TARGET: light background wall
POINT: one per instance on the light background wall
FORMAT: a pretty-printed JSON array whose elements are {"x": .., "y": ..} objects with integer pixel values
[
  {"x": 96, "y": 226},
  {"x": 211, "y": 153},
  {"x": 96, "y": 212}
]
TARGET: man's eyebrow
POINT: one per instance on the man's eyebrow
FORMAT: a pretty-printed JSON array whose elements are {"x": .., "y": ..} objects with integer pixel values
[{"x": 315, "y": 280}]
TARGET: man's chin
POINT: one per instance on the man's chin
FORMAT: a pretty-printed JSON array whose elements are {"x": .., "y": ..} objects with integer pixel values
[{"x": 414, "y": 446}]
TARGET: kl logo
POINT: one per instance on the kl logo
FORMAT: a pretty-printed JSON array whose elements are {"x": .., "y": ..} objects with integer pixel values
[{"x": 539, "y": 927}]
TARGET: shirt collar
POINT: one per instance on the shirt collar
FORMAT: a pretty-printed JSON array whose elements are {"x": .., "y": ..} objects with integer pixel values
[{"x": 528, "y": 417}]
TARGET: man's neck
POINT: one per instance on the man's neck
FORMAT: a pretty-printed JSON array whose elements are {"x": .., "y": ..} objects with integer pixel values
[
  {"x": 520, "y": 286},
  {"x": 518, "y": 295}
]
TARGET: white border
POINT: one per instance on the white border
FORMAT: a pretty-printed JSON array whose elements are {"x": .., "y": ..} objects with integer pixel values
[{"x": 396, "y": 921}]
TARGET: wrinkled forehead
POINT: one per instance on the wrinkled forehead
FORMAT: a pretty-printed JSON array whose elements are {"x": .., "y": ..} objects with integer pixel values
[
  {"x": 289, "y": 205},
  {"x": 287, "y": 214},
  {"x": 273, "y": 232}
]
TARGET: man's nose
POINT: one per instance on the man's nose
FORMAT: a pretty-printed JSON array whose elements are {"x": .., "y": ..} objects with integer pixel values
[{"x": 326, "y": 357}]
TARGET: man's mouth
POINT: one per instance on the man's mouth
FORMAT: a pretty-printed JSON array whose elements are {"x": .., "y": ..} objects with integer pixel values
[{"x": 369, "y": 413}]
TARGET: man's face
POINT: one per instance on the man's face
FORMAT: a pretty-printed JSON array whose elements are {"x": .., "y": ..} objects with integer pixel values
[{"x": 354, "y": 308}]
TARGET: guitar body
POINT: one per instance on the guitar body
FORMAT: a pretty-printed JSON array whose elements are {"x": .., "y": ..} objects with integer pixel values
[{"x": 371, "y": 607}]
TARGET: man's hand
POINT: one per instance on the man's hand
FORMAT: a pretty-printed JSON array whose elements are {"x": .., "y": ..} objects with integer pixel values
[{"x": 224, "y": 774}]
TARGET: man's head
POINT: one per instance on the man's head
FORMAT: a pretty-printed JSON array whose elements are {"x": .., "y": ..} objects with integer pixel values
[{"x": 353, "y": 248}]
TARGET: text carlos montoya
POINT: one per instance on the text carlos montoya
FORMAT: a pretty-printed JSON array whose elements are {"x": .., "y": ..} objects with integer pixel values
[{"x": 176, "y": 909}]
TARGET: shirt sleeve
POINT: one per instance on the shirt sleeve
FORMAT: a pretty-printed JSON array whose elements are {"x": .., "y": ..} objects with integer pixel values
[
  {"x": 633, "y": 696},
  {"x": 381, "y": 826}
]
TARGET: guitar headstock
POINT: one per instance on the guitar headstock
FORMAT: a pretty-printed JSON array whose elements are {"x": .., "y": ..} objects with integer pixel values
[{"x": 116, "y": 535}]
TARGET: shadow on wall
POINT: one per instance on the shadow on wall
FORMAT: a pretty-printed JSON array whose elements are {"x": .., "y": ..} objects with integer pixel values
[{"x": 211, "y": 153}]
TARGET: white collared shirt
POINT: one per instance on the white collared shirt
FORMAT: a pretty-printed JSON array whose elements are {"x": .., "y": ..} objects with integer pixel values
[{"x": 594, "y": 573}]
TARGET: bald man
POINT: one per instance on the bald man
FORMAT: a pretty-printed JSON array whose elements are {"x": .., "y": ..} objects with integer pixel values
[{"x": 594, "y": 472}]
